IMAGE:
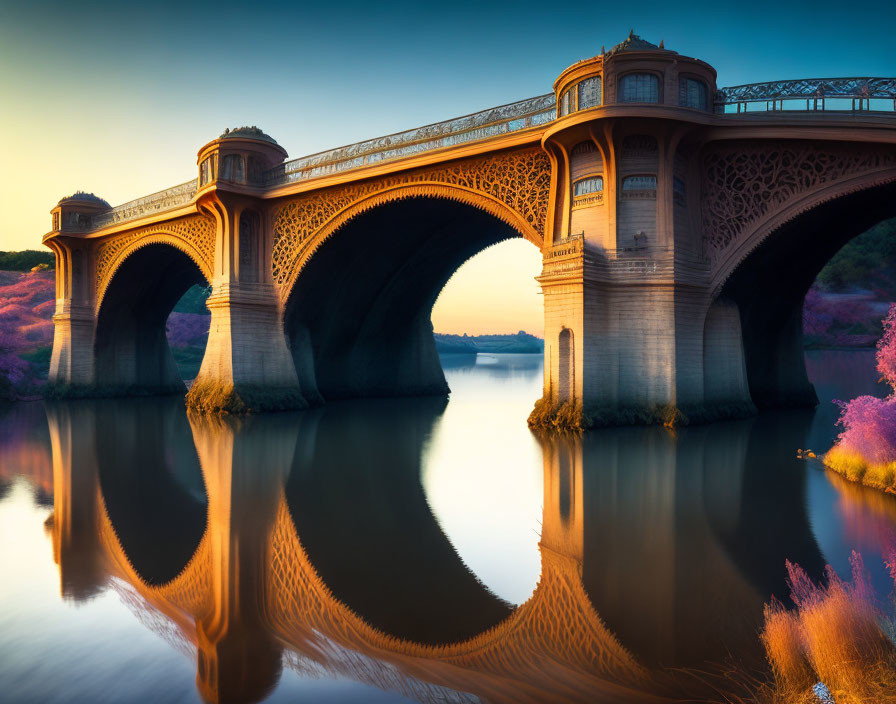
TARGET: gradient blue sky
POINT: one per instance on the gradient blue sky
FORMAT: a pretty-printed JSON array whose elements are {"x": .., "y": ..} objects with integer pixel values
[{"x": 116, "y": 98}]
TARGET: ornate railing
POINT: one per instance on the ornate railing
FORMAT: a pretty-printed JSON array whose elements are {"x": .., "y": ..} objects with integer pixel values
[
  {"x": 814, "y": 91},
  {"x": 147, "y": 205},
  {"x": 461, "y": 130}
]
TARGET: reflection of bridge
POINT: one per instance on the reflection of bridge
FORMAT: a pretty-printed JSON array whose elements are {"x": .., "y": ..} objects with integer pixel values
[
  {"x": 265, "y": 573},
  {"x": 679, "y": 237}
]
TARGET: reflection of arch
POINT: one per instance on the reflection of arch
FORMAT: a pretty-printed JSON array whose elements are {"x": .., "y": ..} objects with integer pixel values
[
  {"x": 194, "y": 236},
  {"x": 566, "y": 362},
  {"x": 151, "y": 487},
  {"x": 366, "y": 524}
]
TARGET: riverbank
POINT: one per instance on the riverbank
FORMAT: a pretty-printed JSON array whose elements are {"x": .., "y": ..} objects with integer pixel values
[{"x": 855, "y": 468}]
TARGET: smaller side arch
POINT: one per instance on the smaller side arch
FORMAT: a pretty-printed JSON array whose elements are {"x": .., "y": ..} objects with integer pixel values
[{"x": 194, "y": 236}]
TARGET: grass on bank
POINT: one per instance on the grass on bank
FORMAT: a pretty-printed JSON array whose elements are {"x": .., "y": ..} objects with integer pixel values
[
  {"x": 837, "y": 635},
  {"x": 856, "y": 468}
]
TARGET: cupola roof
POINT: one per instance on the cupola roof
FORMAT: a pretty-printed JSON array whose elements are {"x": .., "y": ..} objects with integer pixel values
[{"x": 634, "y": 43}]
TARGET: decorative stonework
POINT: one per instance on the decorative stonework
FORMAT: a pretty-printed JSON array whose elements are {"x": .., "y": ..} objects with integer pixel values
[
  {"x": 513, "y": 186},
  {"x": 743, "y": 184},
  {"x": 193, "y": 235}
]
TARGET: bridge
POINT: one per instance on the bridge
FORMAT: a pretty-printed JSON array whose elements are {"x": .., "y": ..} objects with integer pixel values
[
  {"x": 220, "y": 535},
  {"x": 680, "y": 226}
]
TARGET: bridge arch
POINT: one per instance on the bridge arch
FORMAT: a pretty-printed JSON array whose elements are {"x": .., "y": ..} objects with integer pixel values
[
  {"x": 357, "y": 313},
  {"x": 131, "y": 349},
  {"x": 429, "y": 189},
  {"x": 194, "y": 236},
  {"x": 778, "y": 261}
]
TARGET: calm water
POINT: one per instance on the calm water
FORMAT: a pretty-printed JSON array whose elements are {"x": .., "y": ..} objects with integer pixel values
[{"x": 406, "y": 550}]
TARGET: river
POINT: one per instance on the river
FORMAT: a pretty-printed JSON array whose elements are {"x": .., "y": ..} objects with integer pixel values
[{"x": 408, "y": 549}]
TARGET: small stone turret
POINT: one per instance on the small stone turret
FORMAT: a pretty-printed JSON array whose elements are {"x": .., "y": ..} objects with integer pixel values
[{"x": 239, "y": 156}]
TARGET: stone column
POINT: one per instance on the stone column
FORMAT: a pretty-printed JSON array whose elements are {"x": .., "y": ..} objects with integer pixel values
[
  {"x": 247, "y": 365},
  {"x": 74, "y": 322}
]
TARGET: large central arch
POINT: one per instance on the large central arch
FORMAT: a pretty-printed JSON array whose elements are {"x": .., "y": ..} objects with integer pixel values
[{"x": 358, "y": 314}]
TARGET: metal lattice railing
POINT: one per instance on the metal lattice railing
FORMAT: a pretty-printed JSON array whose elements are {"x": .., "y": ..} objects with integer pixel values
[
  {"x": 147, "y": 205},
  {"x": 470, "y": 128},
  {"x": 814, "y": 91}
]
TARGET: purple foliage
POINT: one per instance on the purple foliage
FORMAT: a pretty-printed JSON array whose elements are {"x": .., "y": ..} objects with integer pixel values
[
  {"x": 869, "y": 428},
  {"x": 187, "y": 329},
  {"x": 886, "y": 350},
  {"x": 870, "y": 423},
  {"x": 840, "y": 320}
]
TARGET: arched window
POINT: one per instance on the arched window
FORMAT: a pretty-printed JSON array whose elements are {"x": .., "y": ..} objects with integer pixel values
[
  {"x": 585, "y": 186},
  {"x": 565, "y": 103},
  {"x": 588, "y": 93},
  {"x": 566, "y": 366},
  {"x": 233, "y": 168},
  {"x": 639, "y": 88},
  {"x": 692, "y": 93}
]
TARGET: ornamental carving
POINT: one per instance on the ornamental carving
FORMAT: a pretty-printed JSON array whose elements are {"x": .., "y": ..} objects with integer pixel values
[
  {"x": 513, "y": 186},
  {"x": 742, "y": 185},
  {"x": 193, "y": 235}
]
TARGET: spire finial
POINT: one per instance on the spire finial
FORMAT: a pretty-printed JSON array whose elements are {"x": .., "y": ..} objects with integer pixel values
[
  {"x": 603, "y": 50},
  {"x": 662, "y": 43},
  {"x": 631, "y": 33}
]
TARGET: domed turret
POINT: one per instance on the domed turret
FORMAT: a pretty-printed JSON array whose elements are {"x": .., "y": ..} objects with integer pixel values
[
  {"x": 73, "y": 212},
  {"x": 239, "y": 156}
]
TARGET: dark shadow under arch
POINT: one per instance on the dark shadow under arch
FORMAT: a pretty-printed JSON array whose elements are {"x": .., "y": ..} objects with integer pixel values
[
  {"x": 131, "y": 350},
  {"x": 769, "y": 286},
  {"x": 358, "y": 316}
]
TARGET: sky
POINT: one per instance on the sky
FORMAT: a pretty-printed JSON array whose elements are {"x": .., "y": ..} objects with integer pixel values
[{"x": 116, "y": 98}]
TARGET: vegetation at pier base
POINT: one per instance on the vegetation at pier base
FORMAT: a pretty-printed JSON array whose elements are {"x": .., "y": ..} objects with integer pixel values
[
  {"x": 838, "y": 638},
  {"x": 866, "y": 449}
]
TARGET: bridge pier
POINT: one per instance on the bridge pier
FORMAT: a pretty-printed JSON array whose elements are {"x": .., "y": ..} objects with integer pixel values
[
  {"x": 71, "y": 361},
  {"x": 247, "y": 365},
  {"x": 642, "y": 352}
]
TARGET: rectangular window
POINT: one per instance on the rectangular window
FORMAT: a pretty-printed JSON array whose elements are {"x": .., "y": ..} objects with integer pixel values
[
  {"x": 639, "y": 183},
  {"x": 692, "y": 93},
  {"x": 565, "y": 100},
  {"x": 640, "y": 88},
  {"x": 589, "y": 92},
  {"x": 583, "y": 187}
]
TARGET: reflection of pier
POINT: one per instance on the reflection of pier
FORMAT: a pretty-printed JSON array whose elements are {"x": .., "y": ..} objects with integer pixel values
[{"x": 312, "y": 545}]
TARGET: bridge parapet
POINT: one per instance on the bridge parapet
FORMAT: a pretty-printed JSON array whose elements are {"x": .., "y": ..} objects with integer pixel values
[
  {"x": 815, "y": 91},
  {"x": 493, "y": 122}
]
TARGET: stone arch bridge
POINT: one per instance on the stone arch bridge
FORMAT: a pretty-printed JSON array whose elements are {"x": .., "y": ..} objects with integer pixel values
[{"x": 680, "y": 226}]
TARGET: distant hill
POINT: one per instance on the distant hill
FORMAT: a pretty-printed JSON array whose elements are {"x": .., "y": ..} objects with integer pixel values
[
  {"x": 26, "y": 260},
  {"x": 521, "y": 343}
]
